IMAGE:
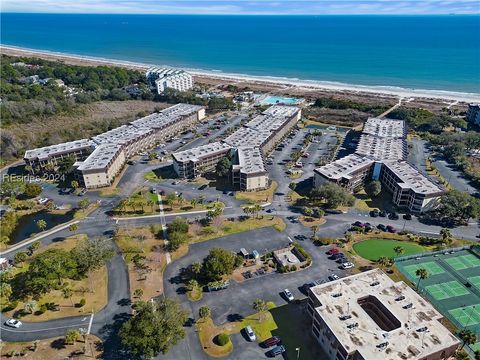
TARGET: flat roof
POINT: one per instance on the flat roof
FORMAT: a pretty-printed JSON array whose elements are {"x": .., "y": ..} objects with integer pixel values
[
  {"x": 344, "y": 167},
  {"x": 411, "y": 178},
  {"x": 121, "y": 135},
  {"x": 165, "y": 117},
  {"x": 100, "y": 157},
  {"x": 419, "y": 332},
  {"x": 248, "y": 137},
  {"x": 250, "y": 161},
  {"x": 384, "y": 127},
  {"x": 46, "y": 152},
  {"x": 382, "y": 148},
  {"x": 201, "y": 152}
]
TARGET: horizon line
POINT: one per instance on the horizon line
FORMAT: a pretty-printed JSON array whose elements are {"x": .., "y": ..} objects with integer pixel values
[{"x": 236, "y": 14}]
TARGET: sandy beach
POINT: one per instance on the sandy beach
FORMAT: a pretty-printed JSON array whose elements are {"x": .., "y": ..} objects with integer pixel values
[{"x": 299, "y": 86}]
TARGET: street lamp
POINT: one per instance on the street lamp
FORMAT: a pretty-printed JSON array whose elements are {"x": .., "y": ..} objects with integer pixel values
[{"x": 298, "y": 352}]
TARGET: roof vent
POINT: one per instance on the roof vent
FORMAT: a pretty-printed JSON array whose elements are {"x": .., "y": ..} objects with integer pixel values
[
  {"x": 345, "y": 317},
  {"x": 382, "y": 345},
  {"x": 336, "y": 295},
  {"x": 400, "y": 298},
  {"x": 408, "y": 306}
]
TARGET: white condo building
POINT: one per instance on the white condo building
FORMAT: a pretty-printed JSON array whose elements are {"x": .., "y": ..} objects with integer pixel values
[{"x": 168, "y": 78}]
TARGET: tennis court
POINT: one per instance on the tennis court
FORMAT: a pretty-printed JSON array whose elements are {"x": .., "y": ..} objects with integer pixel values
[
  {"x": 475, "y": 281},
  {"x": 463, "y": 262},
  {"x": 446, "y": 290},
  {"x": 452, "y": 284},
  {"x": 467, "y": 316},
  {"x": 431, "y": 267}
]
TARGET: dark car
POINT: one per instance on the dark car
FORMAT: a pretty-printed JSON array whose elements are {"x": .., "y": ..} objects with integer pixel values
[
  {"x": 274, "y": 340},
  {"x": 391, "y": 229},
  {"x": 338, "y": 256},
  {"x": 358, "y": 223},
  {"x": 382, "y": 227},
  {"x": 277, "y": 350},
  {"x": 393, "y": 216},
  {"x": 374, "y": 213},
  {"x": 382, "y": 213},
  {"x": 341, "y": 259},
  {"x": 407, "y": 217},
  {"x": 203, "y": 187}
]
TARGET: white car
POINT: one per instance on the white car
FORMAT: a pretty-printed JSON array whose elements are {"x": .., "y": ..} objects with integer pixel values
[
  {"x": 333, "y": 277},
  {"x": 347, "y": 265},
  {"x": 288, "y": 295},
  {"x": 250, "y": 333},
  {"x": 13, "y": 323}
]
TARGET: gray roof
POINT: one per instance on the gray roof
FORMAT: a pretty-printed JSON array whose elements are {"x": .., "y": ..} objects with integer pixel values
[
  {"x": 121, "y": 135},
  {"x": 250, "y": 161},
  {"x": 201, "y": 152},
  {"x": 100, "y": 157},
  {"x": 46, "y": 152},
  {"x": 167, "y": 116}
]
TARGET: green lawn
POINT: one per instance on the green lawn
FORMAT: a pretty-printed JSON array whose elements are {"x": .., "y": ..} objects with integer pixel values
[{"x": 373, "y": 249}]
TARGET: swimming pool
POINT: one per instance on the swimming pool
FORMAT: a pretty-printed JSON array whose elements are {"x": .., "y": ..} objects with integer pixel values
[{"x": 272, "y": 100}]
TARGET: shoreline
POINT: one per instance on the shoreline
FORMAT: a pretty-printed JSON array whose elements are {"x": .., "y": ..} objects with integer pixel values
[{"x": 307, "y": 85}]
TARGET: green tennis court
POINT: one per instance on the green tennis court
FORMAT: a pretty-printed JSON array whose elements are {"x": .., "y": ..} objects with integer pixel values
[
  {"x": 463, "y": 262},
  {"x": 475, "y": 281},
  {"x": 467, "y": 316},
  {"x": 431, "y": 267},
  {"x": 446, "y": 290}
]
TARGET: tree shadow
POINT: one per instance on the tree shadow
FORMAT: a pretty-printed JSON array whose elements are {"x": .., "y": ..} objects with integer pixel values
[
  {"x": 58, "y": 344},
  {"x": 235, "y": 317}
]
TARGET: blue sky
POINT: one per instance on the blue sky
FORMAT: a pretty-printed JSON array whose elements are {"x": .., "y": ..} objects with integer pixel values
[{"x": 392, "y": 7}]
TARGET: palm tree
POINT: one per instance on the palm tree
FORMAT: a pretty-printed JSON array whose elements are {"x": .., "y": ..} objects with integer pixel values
[
  {"x": 192, "y": 284},
  {"x": 422, "y": 274},
  {"x": 256, "y": 209},
  {"x": 122, "y": 205},
  {"x": 194, "y": 202},
  {"x": 468, "y": 337},
  {"x": 196, "y": 267},
  {"x": 384, "y": 261},
  {"x": 73, "y": 227},
  {"x": 399, "y": 250},
  {"x": 260, "y": 306},
  {"x": 41, "y": 224},
  {"x": 67, "y": 294},
  {"x": 30, "y": 306},
  {"x": 71, "y": 336},
  {"x": 138, "y": 293},
  {"x": 74, "y": 184},
  {"x": 314, "y": 231},
  {"x": 151, "y": 204},
  {"x": 247, "y": 210},
  {"x": 204, "y": 312}
]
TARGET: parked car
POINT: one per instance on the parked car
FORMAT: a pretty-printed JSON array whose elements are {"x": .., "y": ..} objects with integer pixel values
[
  {"x": 333, "y": 277},
  {"x": 358, "y": 223},
  {"x": 333, "y": 251},
  {"x": 374, "y": 213},
  {"x": 277, "y": 350},
  {"x": 161, "y": 192},
  {"x": 274, "y": 340},
  {"x": 337, "y": 256},
  {"x": 347, "y": 265},
  {"x": 391, "y": 229},
  {"x": 13, "y": 323},
  {"x": 83, "y": 192},
  {"x": 342, "y": 259},
  {"x": 382, "y": 213},
  {"x": 288, "y": 295},
  {"x": 250, "y": 333},
  {"x": 382, "y": 227},
  {"x": 393, "y": 216},
  {"x": 407, "y": 217}
]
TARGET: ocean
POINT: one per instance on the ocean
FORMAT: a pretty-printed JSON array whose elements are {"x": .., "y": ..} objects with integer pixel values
[{"x": 420, "y": 52}]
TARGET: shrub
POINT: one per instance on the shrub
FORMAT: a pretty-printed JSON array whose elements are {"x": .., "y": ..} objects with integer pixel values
[
  {"x": 82, "y": 302},
  {"x": 222, "y": 339},
  {"x": 11, "y": 306}
]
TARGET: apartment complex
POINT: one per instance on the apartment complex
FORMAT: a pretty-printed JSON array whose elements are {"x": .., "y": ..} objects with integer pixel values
[
  {"x": 368, "y": 316},
  {"x": 248, "y": 144},
  {"x": 101, "y": 167},
  {"x": 44, "y": 159},
  {"x": 381, "y": 154},
  {"x": 194, "y": 162},
  {"x": 473, "y": 114},
  {"x": 112, "y": 148},
  {"x": 168, "y": 78},
  {"x": 248, "y": 170}
]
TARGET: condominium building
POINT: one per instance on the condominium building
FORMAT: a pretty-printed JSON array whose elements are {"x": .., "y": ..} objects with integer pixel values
[
  {"x": 133, "y": 140},
  {"x": 473, "y": 114},
  {"x": 248, "y": 170},
  {"x": 168, "y": 78},
  {"x": 381, "y": 154},
  {"x": 249, "y": 144},
  {"x": 409, "y": 188},
  {"x": 192, "y": 163},
  {"x": 349, "y": 172},
  {"x": 368, "y": 316},
  {"x": 172, "y": 120},
  {"x": 101, "y": 167},
  {"x": 44, "y": 159}
]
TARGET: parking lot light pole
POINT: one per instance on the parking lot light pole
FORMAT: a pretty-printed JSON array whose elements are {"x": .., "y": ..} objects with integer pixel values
[{"x": 298, "y": 353}]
